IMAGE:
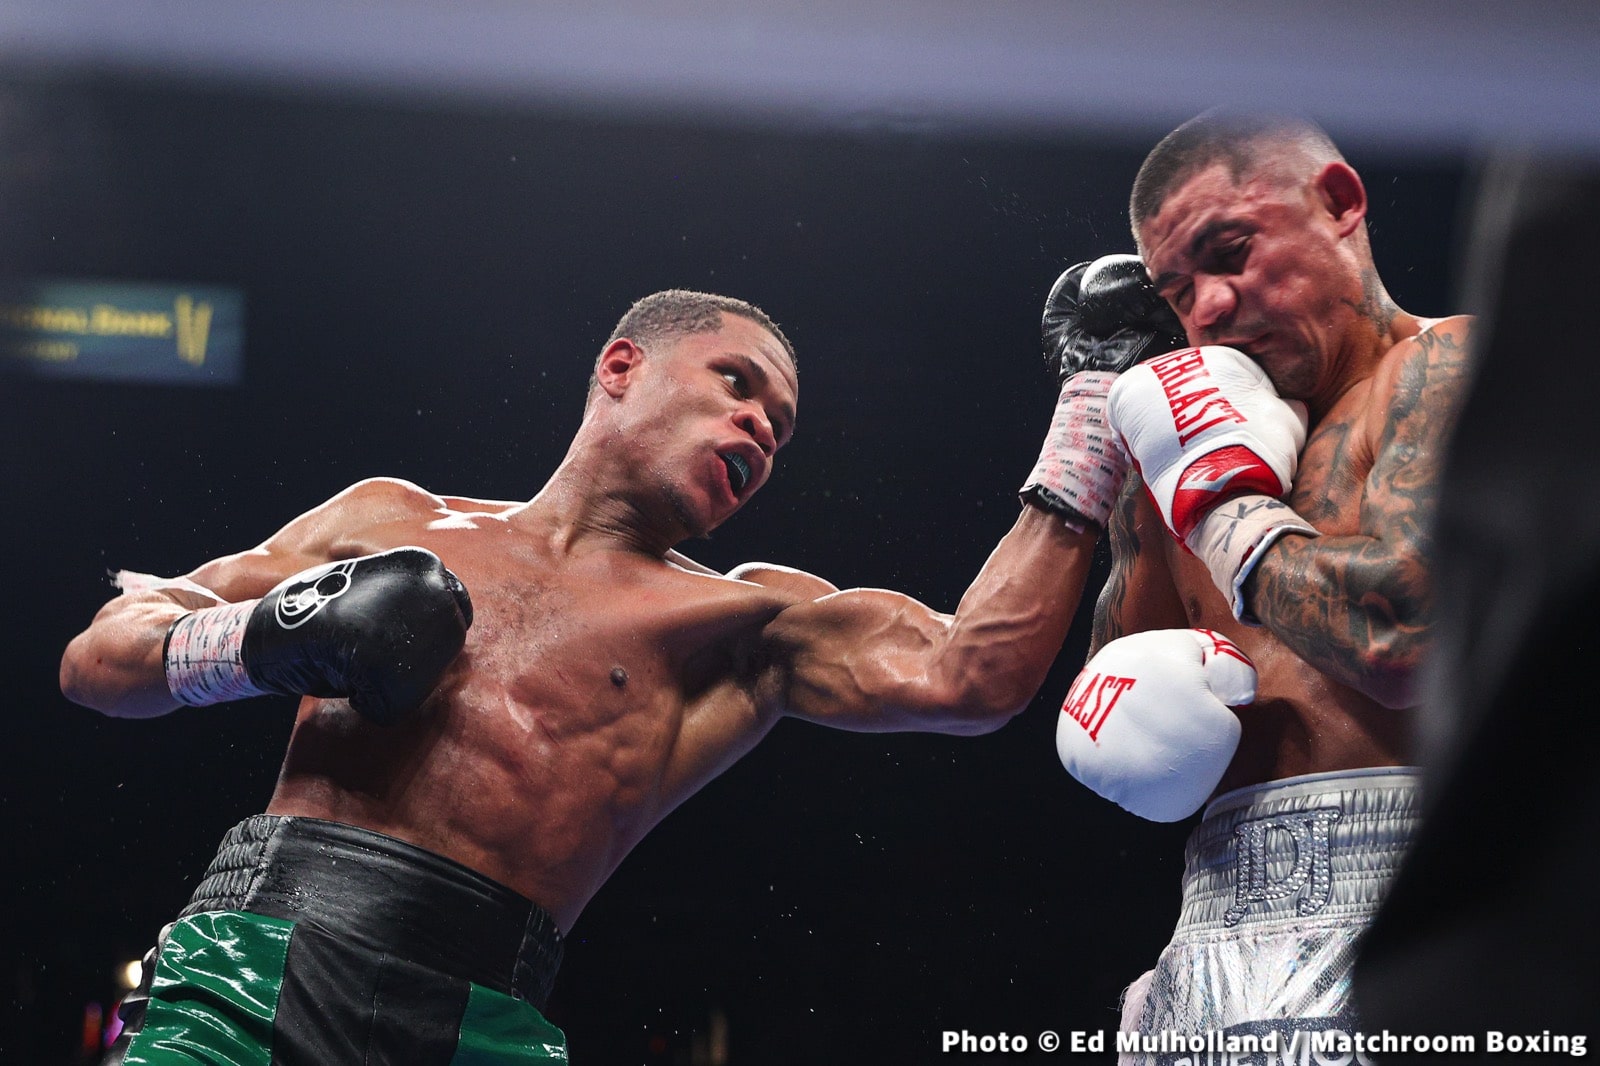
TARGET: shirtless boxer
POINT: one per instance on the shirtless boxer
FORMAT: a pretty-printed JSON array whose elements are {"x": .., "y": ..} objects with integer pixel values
[
  {"x": 1292, "y": 536},
  {"x": 441, "y": 819}
]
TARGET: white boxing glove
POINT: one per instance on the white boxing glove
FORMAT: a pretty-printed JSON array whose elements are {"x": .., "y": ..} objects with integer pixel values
[
  {"x": 1147, "y": 724},
  {"x": 1206, "y": 428}
]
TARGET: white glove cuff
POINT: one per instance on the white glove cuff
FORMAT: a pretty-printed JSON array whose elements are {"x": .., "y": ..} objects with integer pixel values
[
  {"x": 1082, "y": 464},
  {"x": 1233, "y": 537}
]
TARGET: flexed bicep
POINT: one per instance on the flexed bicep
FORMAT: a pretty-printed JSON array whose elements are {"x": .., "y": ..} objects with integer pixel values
[
  {"x": 868, "y": 660},
  {"x": 875, "y": 660}
]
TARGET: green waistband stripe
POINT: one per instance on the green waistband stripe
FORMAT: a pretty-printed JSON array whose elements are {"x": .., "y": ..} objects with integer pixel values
[
  {"x": 497, "y": 1030},
  {"x": 214, "y": 992},
  {"x": 228, "y": 988}
]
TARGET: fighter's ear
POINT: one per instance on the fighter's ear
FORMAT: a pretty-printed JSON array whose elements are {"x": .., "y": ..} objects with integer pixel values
[
  {"x": 616, "y": 366},
  {"x": 1343, "y": 196}
]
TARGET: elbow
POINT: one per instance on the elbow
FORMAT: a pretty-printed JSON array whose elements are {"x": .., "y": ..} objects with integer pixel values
[
  {"x": 1397, "y": 617},
  {"x": 74, "y": 679},
  {"x": 115, "y": 665},
  {"x": 1389, "y": 670},
  {"x": 82, "y": 678}
]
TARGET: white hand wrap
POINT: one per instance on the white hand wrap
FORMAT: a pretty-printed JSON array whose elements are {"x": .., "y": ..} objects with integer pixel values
[
  {"x": 204, "y": 656},
  {"x": 1147, "y": 724},
  {"x": 1205, "y": 426},
  {"x": 1082, "y": 466},
  {"x": 1233, "y": 537}
]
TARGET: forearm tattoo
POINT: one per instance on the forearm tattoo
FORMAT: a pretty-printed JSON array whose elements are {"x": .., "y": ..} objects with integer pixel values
[{"x": 1358, "y": 607}]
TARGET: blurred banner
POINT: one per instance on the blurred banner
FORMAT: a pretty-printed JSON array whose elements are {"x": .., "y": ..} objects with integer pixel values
[{"x": 123, "y": 331}]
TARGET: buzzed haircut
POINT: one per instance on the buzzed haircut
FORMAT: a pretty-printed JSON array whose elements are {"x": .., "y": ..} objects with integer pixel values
[
  {"x": 679, "y": 312},
  {"x": 1236, "y": 139}
]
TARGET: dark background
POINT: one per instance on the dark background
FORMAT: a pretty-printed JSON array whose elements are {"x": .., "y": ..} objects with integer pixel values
[{"x": 427, "y": 283}]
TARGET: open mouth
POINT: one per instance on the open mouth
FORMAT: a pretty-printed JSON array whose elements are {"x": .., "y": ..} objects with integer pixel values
[{"x": 738, "y": 472}]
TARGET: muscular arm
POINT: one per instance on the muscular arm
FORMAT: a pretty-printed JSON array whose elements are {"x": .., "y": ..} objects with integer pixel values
[
  {"x": 115, "y": 666},
  {"x": 1358, "y": 607},
  {"x": 876, "y": 661}
]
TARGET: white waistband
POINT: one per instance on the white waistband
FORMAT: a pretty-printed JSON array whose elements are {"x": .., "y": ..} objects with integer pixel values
[{"x": 1316, "y": 849}]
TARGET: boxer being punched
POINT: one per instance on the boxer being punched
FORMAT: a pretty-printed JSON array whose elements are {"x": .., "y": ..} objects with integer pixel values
[
  {"x": 501, "y": 699},
  {"x": 1270, "y": 555}
]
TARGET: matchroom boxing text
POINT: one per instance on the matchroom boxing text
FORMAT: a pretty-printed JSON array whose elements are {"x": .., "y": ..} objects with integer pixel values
[{"x": 1263, "y": 1045}]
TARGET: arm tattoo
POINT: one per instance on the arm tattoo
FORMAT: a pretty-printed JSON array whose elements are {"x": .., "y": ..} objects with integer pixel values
[
  {"x": 1358, "y": 607},
  {"x": 1125, "y": 547}
]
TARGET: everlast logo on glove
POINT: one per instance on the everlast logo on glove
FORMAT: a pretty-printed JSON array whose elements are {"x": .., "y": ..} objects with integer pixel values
[
  {"x": 1091, "y": 697},
  {"x": 1203, "y": 425},
  {"x": 1173, "y": 734},
  {"x": 1176, "y": 371}
]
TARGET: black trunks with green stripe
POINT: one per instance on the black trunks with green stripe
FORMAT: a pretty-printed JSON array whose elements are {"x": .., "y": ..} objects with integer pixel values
[{"x": 313, "y": 943}]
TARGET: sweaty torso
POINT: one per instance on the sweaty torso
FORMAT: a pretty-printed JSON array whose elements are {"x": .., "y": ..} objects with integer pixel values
[
  {"x": 1302, "y": 720},
  {"x": 596, "y": 691}
]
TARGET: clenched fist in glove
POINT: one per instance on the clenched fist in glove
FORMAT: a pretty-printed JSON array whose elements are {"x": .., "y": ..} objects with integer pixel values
[
  {"x": 1147, "y": 723},
  {"x": 1099, "y": 319},
  {"x": 378, "y": 630}
]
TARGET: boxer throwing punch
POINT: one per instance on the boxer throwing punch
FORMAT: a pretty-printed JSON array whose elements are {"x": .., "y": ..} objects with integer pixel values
[
  {"x": 501, "y": 699},
  {"x": 1270, "y": 555}
]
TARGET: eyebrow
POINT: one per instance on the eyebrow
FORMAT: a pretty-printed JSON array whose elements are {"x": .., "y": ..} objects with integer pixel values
[{"x": 759, "y": 373}]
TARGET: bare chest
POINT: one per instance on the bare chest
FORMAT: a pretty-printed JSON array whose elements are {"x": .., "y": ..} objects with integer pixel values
[
  {"x": 1330, "y": 483},
  {"x": 592, "y": 647},
  {"x": 582, "y": 708},
  {"x": 1302, "y": 720}
]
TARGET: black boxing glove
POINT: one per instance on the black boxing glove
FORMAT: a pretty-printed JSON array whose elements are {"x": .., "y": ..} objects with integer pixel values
[
  {"x": 1099, "y": 319},
  {"x": 378, "y": 630},
  {"x": 1106, "y": 315}
]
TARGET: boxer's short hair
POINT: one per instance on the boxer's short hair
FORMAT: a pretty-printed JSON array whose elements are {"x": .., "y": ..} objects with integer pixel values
[
  {"x": 1238, "y": 140},
  {"x": 678, "y": 312}
]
